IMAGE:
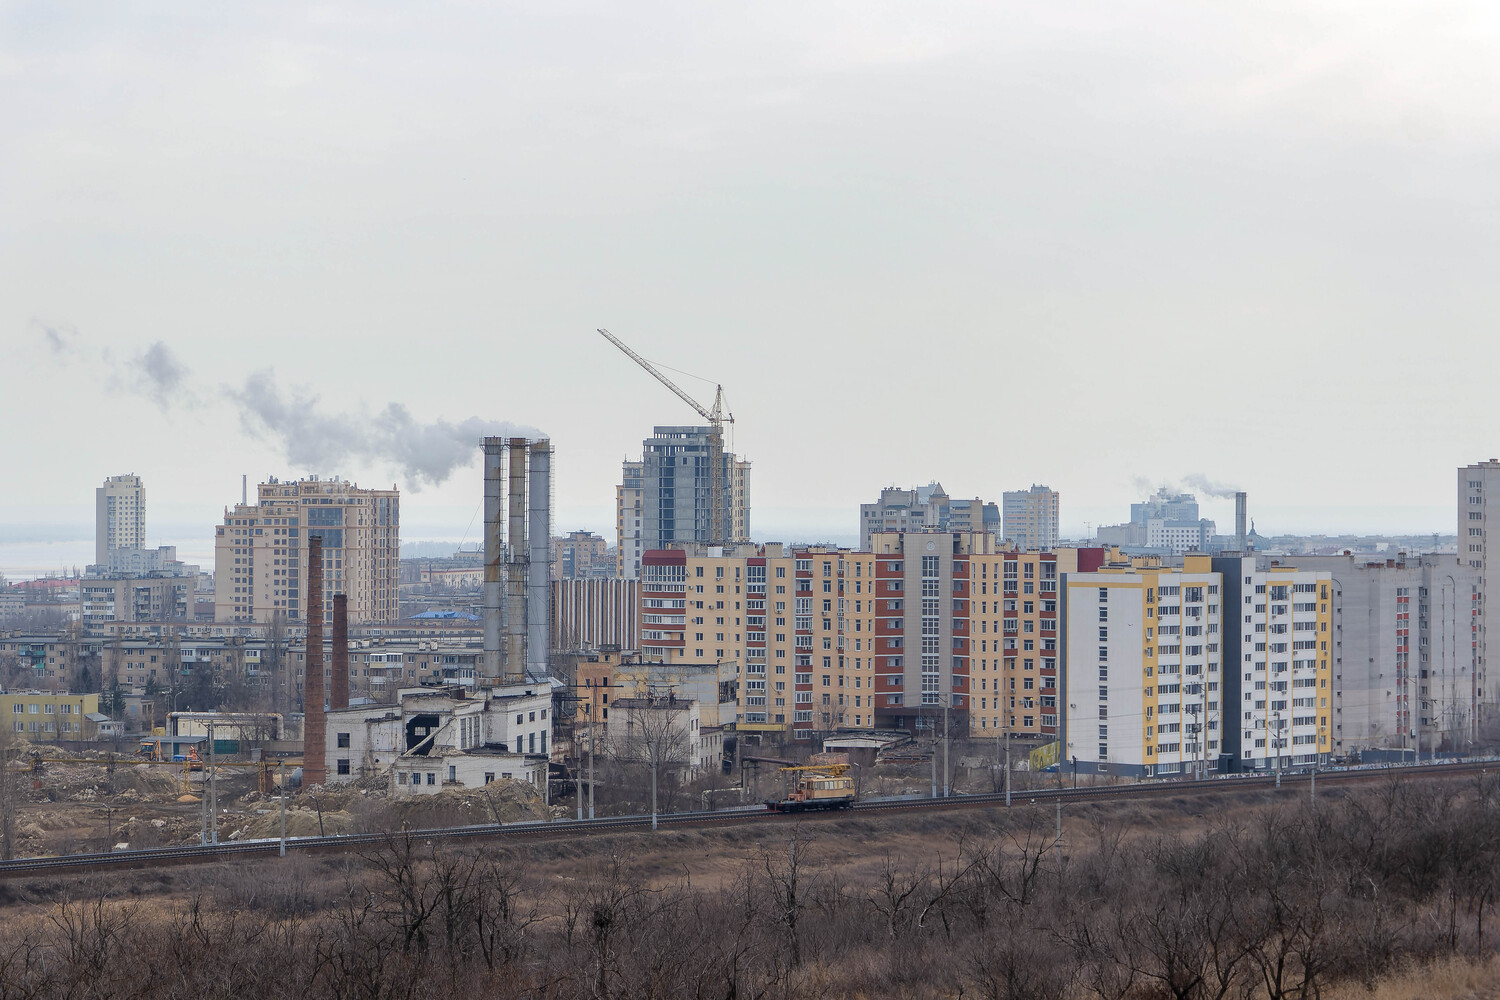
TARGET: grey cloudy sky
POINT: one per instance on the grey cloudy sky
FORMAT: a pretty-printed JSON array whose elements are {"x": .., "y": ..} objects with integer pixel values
[{"x": 991, "y": 243}]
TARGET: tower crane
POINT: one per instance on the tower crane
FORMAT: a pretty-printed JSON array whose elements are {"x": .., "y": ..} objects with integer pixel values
[{"x": 716, "y": 418}]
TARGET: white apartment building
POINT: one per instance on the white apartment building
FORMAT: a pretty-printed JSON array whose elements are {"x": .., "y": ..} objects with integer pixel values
[
  {"x": 1278, "y": 662},
  {"x": 1143, "y": 670},
  {"x": 119, "y": 516}
]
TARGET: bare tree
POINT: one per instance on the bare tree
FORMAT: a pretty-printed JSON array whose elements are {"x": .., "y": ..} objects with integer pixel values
[{"x": 657, "y": 734}]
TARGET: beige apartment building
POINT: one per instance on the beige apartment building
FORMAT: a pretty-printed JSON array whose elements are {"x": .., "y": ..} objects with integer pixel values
[
  {"x": 260, "y": 552},
  {"x": 797, "y": 626},
  {"x": 629, "y": 496},
  {"x": 1031, "y": 517}
]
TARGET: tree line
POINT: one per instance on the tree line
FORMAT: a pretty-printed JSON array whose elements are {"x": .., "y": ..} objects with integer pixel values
[{"x": 1285, "y": 901}]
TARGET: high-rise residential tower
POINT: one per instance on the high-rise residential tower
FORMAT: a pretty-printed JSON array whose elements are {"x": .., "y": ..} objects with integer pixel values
[
  {"x": 666, "y": 498},
  {"x": 119, "y": 516},
  {"x": 1031, "y": 517},
  {"x": 1478, "y": 503},
  {"x": 260, "y": 551},
  {"x": 926, "y": 508}
]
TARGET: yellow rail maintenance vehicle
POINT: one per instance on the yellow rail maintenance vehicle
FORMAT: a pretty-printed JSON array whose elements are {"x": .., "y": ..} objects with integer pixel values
[{"x": 816, "y": 787}]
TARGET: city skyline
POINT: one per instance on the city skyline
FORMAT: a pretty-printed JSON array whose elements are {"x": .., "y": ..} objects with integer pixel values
[{"x": 963, "y": 195}]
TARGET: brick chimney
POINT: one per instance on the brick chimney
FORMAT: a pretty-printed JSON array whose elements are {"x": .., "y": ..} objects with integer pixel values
[
  {"x": 338, "y": 690},
  {"x": 314, "y": 723}
]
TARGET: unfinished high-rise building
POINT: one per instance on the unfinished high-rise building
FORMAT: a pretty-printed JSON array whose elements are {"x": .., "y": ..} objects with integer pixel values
[{"x": 517, "y": 559}]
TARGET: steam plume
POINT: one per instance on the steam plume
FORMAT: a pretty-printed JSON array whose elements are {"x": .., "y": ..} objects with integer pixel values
[
  {"x": 1198, "y": 481},
  {"x": 314, "y": 439}
]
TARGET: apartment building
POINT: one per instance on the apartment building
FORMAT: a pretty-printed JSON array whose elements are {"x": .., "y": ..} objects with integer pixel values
[
  {"x": 260, "y": 551},
  {"x": 665, "y": 499},
  {"x": 1143, "y": 670},
  {"x": 1405, "y": 655},
  {"x": 630, "y": 498},
  {"x": 119, "y": 516},
  {"x": 590, "y": 614},
  {"x": 926, "y": 508},
  {"x": 43, "y": 715},
  {"x": 137, "y": 599},
  {"x": 1031, "y": 517},
  {"x": 798, "y": 627},
  {"x": 582, "y": 555},
  {"x": 1478, "y": 503},
  {"x": 1278, "y": 663}
]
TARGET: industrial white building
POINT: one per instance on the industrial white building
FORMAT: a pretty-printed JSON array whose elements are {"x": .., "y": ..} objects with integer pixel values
[{"x": 427, "y": 723}]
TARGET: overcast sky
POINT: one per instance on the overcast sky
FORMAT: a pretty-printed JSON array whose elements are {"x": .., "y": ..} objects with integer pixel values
[{"x": 1084, "y": 244}]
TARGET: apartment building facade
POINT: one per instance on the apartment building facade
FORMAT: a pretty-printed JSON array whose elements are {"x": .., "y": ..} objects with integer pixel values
[
  {"x": 119, "y": 516},
  {"x": 1143, "y": 670},
  {"x": 665, "y": 499},
  {"x": 1478, "y": 507},
  {"x": 1278, "y": 645},
  {"x": 1405, "y": 654},
  {"x": 260, "y": 552},
  {"x": 1031, "y": 517},
  {"x": 926, "y": 508},
  {"x": 582, "y": 555}
]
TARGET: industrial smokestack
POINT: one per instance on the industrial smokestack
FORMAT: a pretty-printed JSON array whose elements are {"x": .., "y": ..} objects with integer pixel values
[
  {"x": 314, "y": 725},
  {"x": 517, "y": 559},
  {"x": 516, "y": 555},
  {"x": 338, "y": 691},
  {"x": 1240, "y": 503},
  {"x": 494, "y": 551},
  {"x": 539, "y": 568}
]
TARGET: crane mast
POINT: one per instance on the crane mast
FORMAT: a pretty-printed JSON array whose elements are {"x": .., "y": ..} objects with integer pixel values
[{"x": 716, "y": 420}]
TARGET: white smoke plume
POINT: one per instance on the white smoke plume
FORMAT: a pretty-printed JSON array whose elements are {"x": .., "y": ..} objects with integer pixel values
[
  {"x": 1202, "y": 484},
  {"x": 310, "y": 438},
  {"x": 313, "y": 439}
]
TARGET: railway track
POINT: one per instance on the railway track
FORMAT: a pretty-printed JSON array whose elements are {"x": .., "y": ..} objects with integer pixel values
[{"x": 1291, "y": 784}]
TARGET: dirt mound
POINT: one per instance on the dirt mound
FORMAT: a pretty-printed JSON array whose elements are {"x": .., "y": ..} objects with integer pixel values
[
  {"x": 346, "y": 809},
  {"x": 503, "y": 801}
]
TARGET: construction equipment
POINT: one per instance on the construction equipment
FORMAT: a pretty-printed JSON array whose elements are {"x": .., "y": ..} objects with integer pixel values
[
  {"x": 716, "y": 418},
  {"x": 816, "y": 786},
  {"x": 158, "y": 750}
]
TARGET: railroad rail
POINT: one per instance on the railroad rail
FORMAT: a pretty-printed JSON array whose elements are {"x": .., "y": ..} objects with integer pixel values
[{"x": 549, "y": 829}]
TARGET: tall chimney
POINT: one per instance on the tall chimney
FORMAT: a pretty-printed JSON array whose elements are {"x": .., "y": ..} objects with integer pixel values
[
  {"x": 1240, "y": 502},
  {"x": 516, "y": 555},
  {"x": 338, "y": 692},
  {"x": 314, "y": 724},
  {"x": 494, "y": 552},
  {"x": 539, "y": 562}
]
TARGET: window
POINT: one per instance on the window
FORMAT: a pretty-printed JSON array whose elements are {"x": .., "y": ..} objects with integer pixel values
[
  {"x": 432, "y": 777},
  {"x": 343, "y": 765},
  {"x": 343, "y": 744}
]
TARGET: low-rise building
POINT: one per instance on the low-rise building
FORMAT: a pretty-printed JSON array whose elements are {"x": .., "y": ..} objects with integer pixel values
[
  {"x": 425, "y": 723},
  {"x": 671, "y": 731},
  {"x": 40, "y": 716}
]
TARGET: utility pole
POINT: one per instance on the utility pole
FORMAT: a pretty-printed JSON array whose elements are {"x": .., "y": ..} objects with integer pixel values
[
  {"x": 578, "y": 752},
  {"x": 1005, "y": 738},
  {"x": 947, "y": 740},
  {"x": 1312, "y": 783},
  {"x": 591, "y": 768},
  {"x": 934, "y": 762},
  {"x": 1276, "y": 749},
  {"x": 213, "y": 785},
  {"x": 283, "y": 807}
]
